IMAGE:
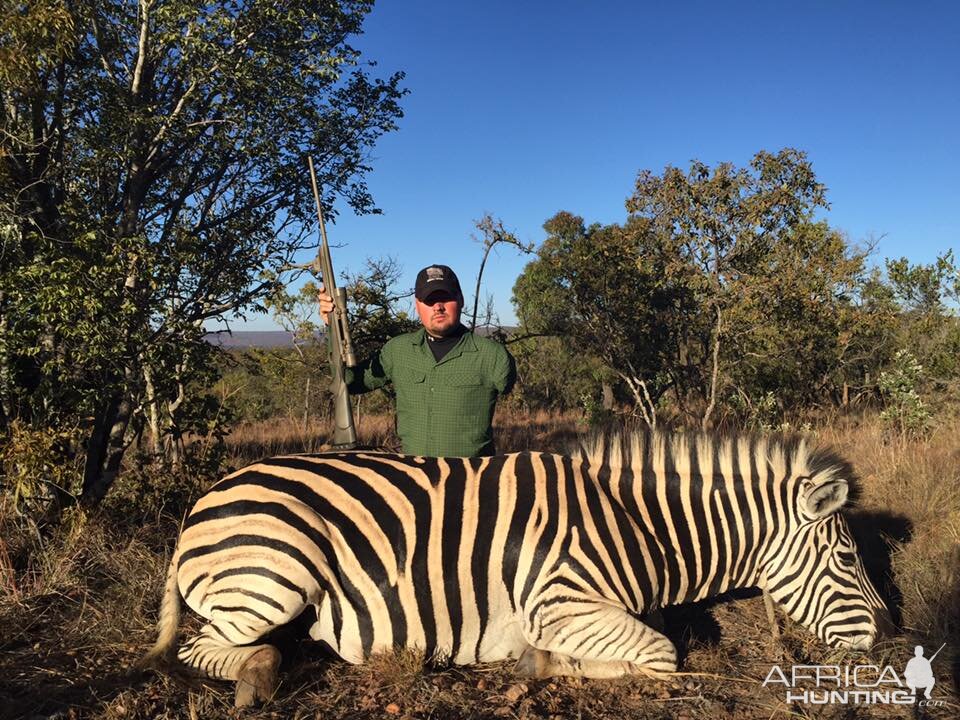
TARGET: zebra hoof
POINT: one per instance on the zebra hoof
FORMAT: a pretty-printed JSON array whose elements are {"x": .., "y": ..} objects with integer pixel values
[
  {"x": 258, "y": 677},
  {"x": 533, "y": 663}
]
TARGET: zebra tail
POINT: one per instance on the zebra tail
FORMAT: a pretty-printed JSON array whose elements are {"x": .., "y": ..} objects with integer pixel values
[{"x": 161, "y": 654}]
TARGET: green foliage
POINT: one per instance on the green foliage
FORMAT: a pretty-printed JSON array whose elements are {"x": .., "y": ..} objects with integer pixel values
[
  {"x": 35, "y": 467},
  {"x": 761, "y": 412},
  {"x": 261, "y": 383},
  {"x": 795, "y": 329},
  {"x": 152, "y": 163},
  {"x": 152, "y": 490},
  {"x": 553, "y": 377},
  {"x": 715, "y": 279},
  {"x": 721, "y": 299},
  {"x": 926, "y": 296},
  {"x": 372, "y": 297},
  {"x": 599, "y": 289},
  {"x": 904, "y": 410}
]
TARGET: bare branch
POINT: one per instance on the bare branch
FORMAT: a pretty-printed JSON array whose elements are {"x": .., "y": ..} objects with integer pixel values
[{"x": 141, "y": 46}]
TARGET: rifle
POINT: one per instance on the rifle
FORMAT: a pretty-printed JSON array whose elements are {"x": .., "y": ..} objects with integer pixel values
[{"x": 338, "y": 334}]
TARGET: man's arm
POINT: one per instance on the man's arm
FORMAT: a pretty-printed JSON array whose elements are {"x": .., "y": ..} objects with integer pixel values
[
  {"x": 367, "y": 375},
  {"x": 505, "y": 372}
]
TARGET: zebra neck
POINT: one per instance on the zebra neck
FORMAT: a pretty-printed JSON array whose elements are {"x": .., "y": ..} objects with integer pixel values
[{"x": 698, "y": 535}]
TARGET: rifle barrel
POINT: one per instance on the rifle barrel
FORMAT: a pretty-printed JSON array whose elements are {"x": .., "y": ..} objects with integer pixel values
[{"x": 341, "y": 347}]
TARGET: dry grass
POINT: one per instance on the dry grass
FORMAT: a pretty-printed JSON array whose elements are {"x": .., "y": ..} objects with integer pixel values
[{"x": 77, "y": 608}]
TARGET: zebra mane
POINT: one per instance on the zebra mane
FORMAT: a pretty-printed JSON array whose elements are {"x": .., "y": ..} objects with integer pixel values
[{"x": 644, "y": 449}]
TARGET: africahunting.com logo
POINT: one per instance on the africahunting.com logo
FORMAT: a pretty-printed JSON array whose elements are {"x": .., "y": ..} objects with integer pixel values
[{"x": 859, "y": 684}]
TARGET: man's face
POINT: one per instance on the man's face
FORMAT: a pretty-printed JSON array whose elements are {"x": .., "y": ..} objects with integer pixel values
[{"x": 439, "y": 312}]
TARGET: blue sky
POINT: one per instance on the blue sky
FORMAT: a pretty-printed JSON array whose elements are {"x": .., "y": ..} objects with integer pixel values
[{"x": 522, "y": 109}]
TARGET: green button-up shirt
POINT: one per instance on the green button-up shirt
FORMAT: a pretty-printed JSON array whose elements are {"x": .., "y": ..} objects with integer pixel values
[{"x": 445, "y": 408}]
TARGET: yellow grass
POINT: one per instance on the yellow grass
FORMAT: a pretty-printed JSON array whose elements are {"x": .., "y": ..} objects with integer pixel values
[{"x": 77, "y": 607}]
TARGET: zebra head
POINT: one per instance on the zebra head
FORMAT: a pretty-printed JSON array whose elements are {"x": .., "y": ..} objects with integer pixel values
[{"x": 816, "y": 574}]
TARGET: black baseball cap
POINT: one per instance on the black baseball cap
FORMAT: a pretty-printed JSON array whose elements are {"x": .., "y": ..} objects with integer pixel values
[{"x": 436, "y": 277}]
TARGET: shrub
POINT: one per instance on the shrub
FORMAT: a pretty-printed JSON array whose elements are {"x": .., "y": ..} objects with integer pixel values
[{"x": 904, "y": 410}]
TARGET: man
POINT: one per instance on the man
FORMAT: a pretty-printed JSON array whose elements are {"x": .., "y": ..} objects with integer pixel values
[{"x": 446, "y": 378}]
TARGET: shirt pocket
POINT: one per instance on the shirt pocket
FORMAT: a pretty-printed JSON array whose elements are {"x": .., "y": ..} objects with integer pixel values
[
  {"x": 410, "y": 387},
  {"x": 414, "y": 377},
  {"x": 463, "y": 380}
]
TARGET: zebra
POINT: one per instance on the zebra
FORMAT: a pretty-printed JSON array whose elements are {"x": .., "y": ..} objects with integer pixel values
[{"x": 548, "y": 559}]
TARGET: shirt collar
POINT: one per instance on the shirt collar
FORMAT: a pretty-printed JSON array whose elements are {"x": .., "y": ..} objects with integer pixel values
[{"x": 467, "y": 344}]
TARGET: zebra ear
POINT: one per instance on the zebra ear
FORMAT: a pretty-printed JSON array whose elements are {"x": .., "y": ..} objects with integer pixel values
[{"x": 825, "y": 498}]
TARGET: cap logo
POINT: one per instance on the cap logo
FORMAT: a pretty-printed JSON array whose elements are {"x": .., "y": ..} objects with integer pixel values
[{"x": 434, "y": 273}]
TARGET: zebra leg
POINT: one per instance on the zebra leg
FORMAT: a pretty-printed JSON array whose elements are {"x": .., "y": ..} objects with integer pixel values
[
  {"x": 219, "y": 651},
  {"x": 593, "y": 639},
  {"x": 542, "y": 664}
]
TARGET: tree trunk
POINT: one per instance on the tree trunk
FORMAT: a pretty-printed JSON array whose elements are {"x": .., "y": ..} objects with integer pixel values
[
  {"x": 174, "y": 444},
  {"x": 607, "y": 390},
  {"x": 107, "y": 444},
  {"x": 306, "y": 404},
  {"x": 153, "y": 410},
  {"x": 705, "y": 423}
]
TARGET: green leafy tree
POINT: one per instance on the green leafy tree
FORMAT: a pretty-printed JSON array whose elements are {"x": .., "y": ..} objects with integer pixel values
[
  {"x": 152, "y": 164},
  {"x": 599, "y": 290},
  {"x": 926, "y": 297},
  {"x": 373, "y": 297},
  {"x": 717, "y": 229},
  {"x": 791, "y": 327},
  {"x": 718, "y": 289}
]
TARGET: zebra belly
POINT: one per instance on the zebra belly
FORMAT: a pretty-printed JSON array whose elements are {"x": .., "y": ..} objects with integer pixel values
[{"x": 501, "y": 639}]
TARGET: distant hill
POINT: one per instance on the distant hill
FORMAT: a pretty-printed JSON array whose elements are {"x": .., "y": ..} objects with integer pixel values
[
  {"x": 278, "y": 338},
  {"x": 251, "y": 338}
]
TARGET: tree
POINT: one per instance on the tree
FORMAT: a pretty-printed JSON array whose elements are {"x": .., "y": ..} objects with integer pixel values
[
  {"x": 294, "y": 313},
  {"x": 718, "y": 229},
  {"x": 493, "y": 234},
  {"x": 154, "y": 159},
  {"x": 718, "y": 284},
  {"x": 372, "y": 297},
  {"x": 794, "y": 324},
  {"x": 602, "y": 292},
  {"x": 926, "y": 297}
]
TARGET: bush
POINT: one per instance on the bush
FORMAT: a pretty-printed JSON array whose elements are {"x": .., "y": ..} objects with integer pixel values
[
  {"x": 904, "y": 410},
  {"x": 39, "y": 468}
]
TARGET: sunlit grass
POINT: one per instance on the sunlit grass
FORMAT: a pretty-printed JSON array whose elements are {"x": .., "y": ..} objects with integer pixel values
[{"x": 77, "y": 606}]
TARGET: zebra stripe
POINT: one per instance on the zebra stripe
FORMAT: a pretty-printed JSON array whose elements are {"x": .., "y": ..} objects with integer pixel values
[{"x": 548, "y": 558}]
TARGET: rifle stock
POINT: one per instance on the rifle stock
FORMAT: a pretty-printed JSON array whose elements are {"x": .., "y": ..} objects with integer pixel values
[{"x": 338, "y": 335}]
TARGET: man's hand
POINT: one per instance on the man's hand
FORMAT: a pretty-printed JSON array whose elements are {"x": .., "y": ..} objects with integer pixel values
[{"x": 326, "y": 304}]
